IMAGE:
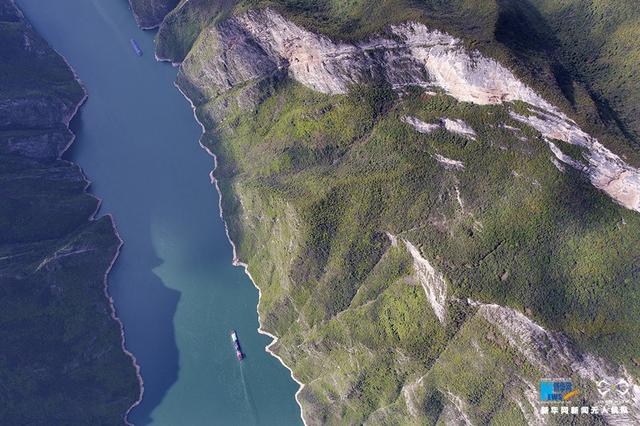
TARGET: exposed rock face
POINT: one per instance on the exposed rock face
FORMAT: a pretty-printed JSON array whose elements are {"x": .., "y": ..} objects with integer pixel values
[
  {"x": 448, "y": 163},
  {"x": 261, "y": 47},
  {"x": 416, "y": 56},
  {"x": 549, "y": 353},
  {"x": 61, "y": 357},
  {"x": 554, "y": 356},
  {"x": 431, "y": 280},
  {"x": 234, "y": 61},
  {"x": 459, "y": 127},
  {"x": 256, "y": 44},
  {"x": 606, "y": 170},
  {"x": 421, "y": 126},
  {"x": 456, "y": 126},
  {"x": 455, "y": 412}
]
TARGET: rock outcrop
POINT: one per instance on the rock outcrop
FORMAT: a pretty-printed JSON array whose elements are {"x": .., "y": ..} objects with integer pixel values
[
  {"x": 606, "y": 170},
  {"x": 433, "y": 283},
  {"x": 550, "y": 353},
  {"x": 456, "y": 126},
  {"x": 554, "y": 356},
  {"x": 545, "y": 353},
  {"x": 258, "y": 44}
]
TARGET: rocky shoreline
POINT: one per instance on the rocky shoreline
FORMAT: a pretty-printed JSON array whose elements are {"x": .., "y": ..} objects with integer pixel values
[{"x": 236, "y": 260}]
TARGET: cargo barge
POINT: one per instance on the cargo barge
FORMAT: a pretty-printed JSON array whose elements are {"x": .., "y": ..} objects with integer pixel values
[
  {"x": 136, "y": 47},
  {"x": 236, "y": 344}
]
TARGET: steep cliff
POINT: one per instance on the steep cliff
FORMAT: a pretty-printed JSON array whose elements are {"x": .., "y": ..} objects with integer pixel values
[
  {"x": 150, "y": 13},
  {"x": 405, "y": 196},
  {"x": 258, "y": 44},
  {"x": 61, "y": 357}
]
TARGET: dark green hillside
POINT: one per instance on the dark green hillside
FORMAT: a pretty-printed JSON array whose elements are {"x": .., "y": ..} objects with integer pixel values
[
  {"x": 61, "y": 360},
  {"x": 182, "y": 26},
  {"x": 598, "y": 42},
  {"x": 150, "y": 13}
]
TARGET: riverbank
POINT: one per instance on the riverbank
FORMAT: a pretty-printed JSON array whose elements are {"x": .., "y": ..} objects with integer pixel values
[
  {"x": 108, "y": 297},
  {"x": 114, "y": 315},
  {"x": 173, "y": 286},
  {"x": 114, "y": 258},
  {"x": 60, "y": 328},
  {"x": 236, "y": 260}
]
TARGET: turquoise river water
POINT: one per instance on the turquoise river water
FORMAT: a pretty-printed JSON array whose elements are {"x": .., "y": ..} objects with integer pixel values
[{"x": 174, "y": 287}]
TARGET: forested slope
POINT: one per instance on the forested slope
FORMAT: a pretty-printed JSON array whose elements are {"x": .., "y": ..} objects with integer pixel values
[
  {"x": 438, "y": 204},
  {"x": 61, "y": 359}
]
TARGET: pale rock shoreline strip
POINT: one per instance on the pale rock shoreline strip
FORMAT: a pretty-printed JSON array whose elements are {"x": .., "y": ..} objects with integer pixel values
[
  {"x": 237, "y": 262},
  {"x": 114, "y": 315}
]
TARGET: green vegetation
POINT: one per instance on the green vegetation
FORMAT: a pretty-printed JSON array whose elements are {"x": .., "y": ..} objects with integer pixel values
[
  {"x": 310, "y": 185},
  {"x": 313, "y": 183},
  {"x": 183, "y": 24},
  {"x": 24, "y": 73},
  {"x": 150, "y": 13},
  {"x": 604, "y": 54},
  {"x": 590, "y": 76},
  {"x": 60, "y": 359}
]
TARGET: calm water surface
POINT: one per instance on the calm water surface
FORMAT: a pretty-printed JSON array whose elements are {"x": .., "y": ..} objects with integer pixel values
[{"x": 173, "y": 285}]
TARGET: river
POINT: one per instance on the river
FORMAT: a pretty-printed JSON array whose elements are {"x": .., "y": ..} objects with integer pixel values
[{"x": 174, "y": 287}]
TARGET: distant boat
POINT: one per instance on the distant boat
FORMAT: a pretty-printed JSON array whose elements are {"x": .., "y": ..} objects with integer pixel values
[
  {"x": 136, "y": 47},
  {"x": 236, "y": 344}
]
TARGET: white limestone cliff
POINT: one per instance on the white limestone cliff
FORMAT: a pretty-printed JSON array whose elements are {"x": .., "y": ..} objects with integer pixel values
[
  {"x": 261, "y": 44},
  {"x": 553, "y": 355}
]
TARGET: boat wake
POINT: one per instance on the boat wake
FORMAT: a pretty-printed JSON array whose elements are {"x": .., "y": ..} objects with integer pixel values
[
  {"x": 248, "y": 397},
  {"x": 109, "y": 21}
]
